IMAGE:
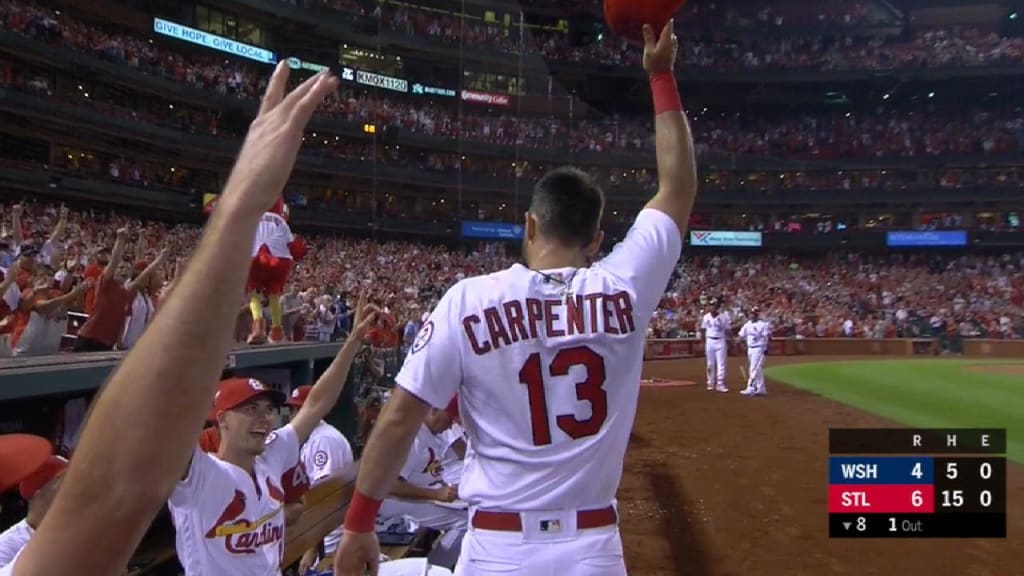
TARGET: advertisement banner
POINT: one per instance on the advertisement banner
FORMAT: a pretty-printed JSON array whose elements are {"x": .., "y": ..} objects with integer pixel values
[
  {"x": 927, "y": 238},
  {"x": 485, "y": 98},
  {"x": 180, "y": 32},
  {"x": 725, "y": 238},
  {"x": 297, "y": 64},
  {"x": 432, "y": 90},
  {"x": 492, "y": 230},
  {"x": 382, "y": 81}
]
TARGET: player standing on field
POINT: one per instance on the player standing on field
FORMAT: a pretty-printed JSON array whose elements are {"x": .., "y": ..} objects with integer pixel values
[
  {"x": 757, "y": 333},
  {"x": 716, "y": 326},
  {"x": 546, "y": 360}
]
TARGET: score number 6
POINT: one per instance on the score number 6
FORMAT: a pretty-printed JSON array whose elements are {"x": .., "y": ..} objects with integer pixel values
[{"x": 916, "y": 500}]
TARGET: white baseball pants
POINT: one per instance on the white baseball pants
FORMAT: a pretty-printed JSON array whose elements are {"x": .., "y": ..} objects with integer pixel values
[
  {"x": 592, "y": 552},
  {"x": 453, "y": 522},
  {"x": 717, "y": 354},
  {"x": 755, "y": 383}
]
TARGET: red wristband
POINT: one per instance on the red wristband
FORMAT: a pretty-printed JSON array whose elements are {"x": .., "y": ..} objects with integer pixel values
[
  {"x": 666, "y": 93},
  {"x": 361, "y": 516}
]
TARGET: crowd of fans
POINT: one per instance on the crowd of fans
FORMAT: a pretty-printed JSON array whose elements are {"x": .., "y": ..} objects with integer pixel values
[
  {"x": 114, "y": 269},
  {"x": 702, "y": 47},
  {"x": 882, "y": 133},
  {"x": 853, "y": 295}
]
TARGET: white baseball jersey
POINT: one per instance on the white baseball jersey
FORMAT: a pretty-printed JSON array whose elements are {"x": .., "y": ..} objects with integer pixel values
[
  {"x": 9, "y": 569},
  {"x": 715, "y": 326},
  {"x": 13, "y": 540},
  {"x": 230, "y": 522},
  {"x": 327, "y": 453},
  {"x": 547, "y": 378},
  {"x": 452, "y": 474},
  {"x": 274, "y": 233},
  {"x": 756, "y": 333},
  {"x": 425, "y": 466}
]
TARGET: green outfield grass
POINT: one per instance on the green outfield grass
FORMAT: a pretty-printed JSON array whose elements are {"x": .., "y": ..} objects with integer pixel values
[{"x": 921, "y": 393}]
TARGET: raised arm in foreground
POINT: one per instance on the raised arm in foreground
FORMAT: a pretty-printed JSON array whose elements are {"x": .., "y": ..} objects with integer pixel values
[
  {"x": 677, "y": 166},
  {"x": 143, "y": 427}
]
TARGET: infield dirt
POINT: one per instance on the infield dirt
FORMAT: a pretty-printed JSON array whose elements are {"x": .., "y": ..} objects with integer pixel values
[{"x": 725, "y": 485}]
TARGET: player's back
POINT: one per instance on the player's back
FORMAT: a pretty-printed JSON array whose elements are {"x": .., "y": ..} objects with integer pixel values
[{"x": 550, "y": 372}]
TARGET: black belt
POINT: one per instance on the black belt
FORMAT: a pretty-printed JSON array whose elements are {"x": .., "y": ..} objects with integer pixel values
[
  {"x": 714, "y": 337},
  {"x": 751, "y": 347}
]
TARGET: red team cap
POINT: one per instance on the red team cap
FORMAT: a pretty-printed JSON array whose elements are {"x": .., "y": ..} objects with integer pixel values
[
  {"x": 234, "y": 392},
  {"x": 20, "y": 456},
  {"x": 52, "y": 468},
  {"x": 298, "y": 397}
]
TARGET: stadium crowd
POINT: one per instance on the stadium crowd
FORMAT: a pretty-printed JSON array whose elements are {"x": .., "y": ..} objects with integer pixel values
[
  {"x": 914, "y": 132},
  {"x": 103, "y": 264}
]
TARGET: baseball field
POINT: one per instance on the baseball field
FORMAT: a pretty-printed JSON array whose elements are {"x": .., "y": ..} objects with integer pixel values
[{"x": 726, "y": 485}]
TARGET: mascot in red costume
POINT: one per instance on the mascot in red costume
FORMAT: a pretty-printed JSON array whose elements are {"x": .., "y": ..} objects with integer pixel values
[
  {"x": 274, "y": 251},
  {"x": 626, "y": 18}
]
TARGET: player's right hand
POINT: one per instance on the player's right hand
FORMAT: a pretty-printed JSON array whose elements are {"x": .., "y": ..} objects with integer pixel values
[
  {"x": 357, "y": 555},
  {"x": 447, "y": 494},
  {"x": 272, "y": 143},
  {"x": 660, "y": 51}
]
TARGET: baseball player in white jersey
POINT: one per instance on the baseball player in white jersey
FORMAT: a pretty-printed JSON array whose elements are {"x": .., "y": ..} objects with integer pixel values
[
  {"x": 427, "y": 492},
  {"x": 757, "y": 333},
  {"x": 327, "y": 454},
  {"x": 228, "y": 509},
  {"x": 546, "y": 360},
  {"x": 38, "y": 489},
  {"x": 716, "y": 326}
]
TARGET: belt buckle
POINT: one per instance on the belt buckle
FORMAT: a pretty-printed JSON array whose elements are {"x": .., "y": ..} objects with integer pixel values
[{"x": 550, "y": 526}]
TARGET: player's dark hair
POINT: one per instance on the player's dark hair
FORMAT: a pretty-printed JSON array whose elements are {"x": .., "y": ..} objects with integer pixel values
[{"x": 567, "y": 204}]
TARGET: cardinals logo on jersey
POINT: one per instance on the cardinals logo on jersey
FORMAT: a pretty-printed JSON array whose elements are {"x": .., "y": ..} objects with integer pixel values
[
  {"x": 434, "y": 466},
  {"x": 242, "y": 536}
]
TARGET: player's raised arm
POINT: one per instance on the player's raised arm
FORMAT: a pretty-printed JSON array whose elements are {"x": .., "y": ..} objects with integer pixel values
[
  {"x": 142, "y": 429},
  {"x": 327, "y": 390},
  {"x": 677, "y": 166}
]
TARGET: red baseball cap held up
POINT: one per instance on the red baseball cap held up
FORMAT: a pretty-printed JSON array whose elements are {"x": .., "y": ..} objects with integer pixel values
[
  {"x": 298, "y": 397},
  {"x": 20, "y": 456},
  {"x": 234, "y": 392},
  {"x": 52, "y": 468}
]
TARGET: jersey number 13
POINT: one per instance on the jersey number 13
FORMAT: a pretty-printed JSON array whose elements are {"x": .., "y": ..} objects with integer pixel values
[{"x": 589, "y": 390}]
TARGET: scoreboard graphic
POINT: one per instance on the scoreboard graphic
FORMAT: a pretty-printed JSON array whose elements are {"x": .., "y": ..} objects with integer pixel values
[{"x": 917, "y": 483}]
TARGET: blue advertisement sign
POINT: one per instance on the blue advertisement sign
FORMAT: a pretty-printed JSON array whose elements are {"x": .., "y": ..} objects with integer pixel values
[
  {"x": 927, "y": 238},
  {"x": 725, "y": 238},
  {"x": 174, "y": 30},
  {"x": 492, "y": 230}
]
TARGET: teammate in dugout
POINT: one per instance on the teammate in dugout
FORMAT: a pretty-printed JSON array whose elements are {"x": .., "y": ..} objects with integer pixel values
[
  {"x": 228, "y": 509},
  {"x": 327, "y": 454},
  {"x": 38, "y": 489},
  {"x": 427, "y": 490},
  {"x": 546, "y": 360}
]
